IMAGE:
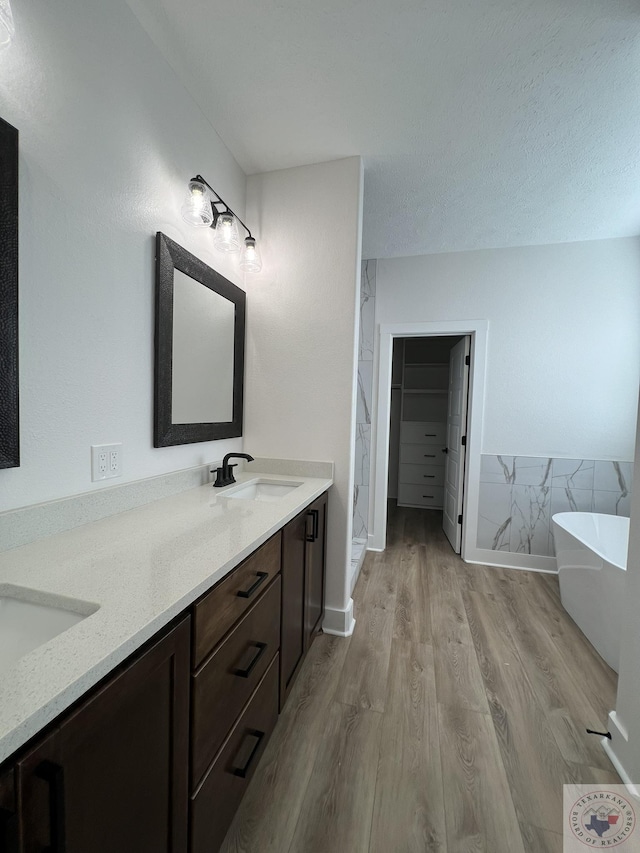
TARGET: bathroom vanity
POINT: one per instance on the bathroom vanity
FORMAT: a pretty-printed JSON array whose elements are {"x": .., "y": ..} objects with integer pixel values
[{"x": 158, "y": 754}]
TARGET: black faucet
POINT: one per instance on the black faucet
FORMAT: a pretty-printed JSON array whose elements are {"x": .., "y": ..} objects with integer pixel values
[{"x": 224, "y": 475}]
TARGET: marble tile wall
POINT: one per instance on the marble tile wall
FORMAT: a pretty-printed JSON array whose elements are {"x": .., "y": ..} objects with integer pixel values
[
  {"x": 519, "y": 494},
  {"x": 363, "y": 405}
]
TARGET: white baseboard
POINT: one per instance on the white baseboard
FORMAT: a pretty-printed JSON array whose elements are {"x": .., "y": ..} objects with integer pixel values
[
  {"x": 509, "y": 560},
  {"x": 339, "y": 623}
]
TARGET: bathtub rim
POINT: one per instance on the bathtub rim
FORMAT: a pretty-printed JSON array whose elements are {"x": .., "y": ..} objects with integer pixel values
[{"x": 589, "y": 545}]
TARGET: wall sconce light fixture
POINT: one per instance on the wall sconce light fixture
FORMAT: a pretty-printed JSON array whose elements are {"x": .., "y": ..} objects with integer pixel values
[
  {"x": 7, "y": 29},
  {"x": 201, "y": 209}
]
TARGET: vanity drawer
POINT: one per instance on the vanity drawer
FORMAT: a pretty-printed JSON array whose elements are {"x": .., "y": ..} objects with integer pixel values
[
  {"x": 421, "y": 495},
  {"x": 427, "y": 475},
  {"x": 418, "y": 454},
  {"x": 227, "y": 679},
  {"x": 220, "y": 609},
  {"x": 423, "y": 432},
  {"x": 215, "y": 802}
]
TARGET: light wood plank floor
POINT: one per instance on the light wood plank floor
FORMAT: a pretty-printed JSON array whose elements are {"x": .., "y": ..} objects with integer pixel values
[{"x": 448, "y": 722}]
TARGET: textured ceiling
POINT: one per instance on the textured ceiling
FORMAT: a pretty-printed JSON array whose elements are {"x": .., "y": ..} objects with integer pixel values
[{"x": 482, "y": 123}]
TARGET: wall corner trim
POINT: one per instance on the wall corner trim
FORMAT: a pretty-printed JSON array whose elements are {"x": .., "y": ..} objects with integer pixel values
[{"x": 339, "y": 623}]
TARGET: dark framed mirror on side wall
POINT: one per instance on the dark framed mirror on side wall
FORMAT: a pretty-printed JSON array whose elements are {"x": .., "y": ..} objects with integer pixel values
[{"x": 199, "y": 350}]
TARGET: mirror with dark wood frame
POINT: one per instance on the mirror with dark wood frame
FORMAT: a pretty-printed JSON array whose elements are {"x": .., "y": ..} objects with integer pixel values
[
  {"x": 199, "y": 349},
  {"x": 9, "y": 380}
]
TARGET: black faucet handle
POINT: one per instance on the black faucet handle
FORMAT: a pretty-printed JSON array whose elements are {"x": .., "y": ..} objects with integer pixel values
[{"x": 224, "y": 475}]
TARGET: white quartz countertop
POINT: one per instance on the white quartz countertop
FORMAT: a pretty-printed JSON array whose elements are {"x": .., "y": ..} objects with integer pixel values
[{"x": 142, "y": 568}]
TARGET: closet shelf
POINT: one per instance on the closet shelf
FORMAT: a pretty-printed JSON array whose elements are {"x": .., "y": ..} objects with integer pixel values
[{"x": 427, "y": 364}]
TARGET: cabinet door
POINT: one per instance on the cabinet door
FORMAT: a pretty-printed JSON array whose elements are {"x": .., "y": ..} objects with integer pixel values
[
  {"x": 316, "y": 518},
  {"x": 292, "y": 639},
  {"x": 8, "y": 815},
  {"x": 113, "y": 775}
]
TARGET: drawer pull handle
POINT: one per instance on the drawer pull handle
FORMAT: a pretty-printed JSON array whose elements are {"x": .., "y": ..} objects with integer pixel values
[
  {"x": 429, "y": 476},
  {"x": 53, "y": 775},
  {"x": 242, "y": 771},
  {"x": 429, "y": 435},
  {"x": 247, "y": 593},
  {"x": 245, "y": 673},
  {"x": 315, "y": 516},
  {"x": 428, "y": 496},
  {"x": 8, "y": 831},
  {"x": 429, "y": 455}
]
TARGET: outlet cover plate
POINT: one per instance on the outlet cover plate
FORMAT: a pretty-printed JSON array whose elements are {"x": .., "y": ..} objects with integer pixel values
[{"x": 106, "y": 461}]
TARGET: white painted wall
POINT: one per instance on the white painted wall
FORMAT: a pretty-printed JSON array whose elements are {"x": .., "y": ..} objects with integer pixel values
[
  {"x": 302, "y": 336},
  {"x": 108, "y": 140},
  {"x": 564, "y": 338},
  {"x": 625, "y": 720}
]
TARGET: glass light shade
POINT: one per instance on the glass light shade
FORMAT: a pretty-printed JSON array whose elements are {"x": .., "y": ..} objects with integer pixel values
[
  {"x": 226, "y": 237},
  {"x": 196, "y": 209},
  {"x": 250, "y": 260},
  {"x": 7, "y": 29}
]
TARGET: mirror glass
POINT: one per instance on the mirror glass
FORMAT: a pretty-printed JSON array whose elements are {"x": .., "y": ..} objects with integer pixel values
[{"x": 203, "y": 336}]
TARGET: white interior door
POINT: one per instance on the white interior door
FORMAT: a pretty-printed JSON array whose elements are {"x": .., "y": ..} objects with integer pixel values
[{"x": 456, "y": 442}]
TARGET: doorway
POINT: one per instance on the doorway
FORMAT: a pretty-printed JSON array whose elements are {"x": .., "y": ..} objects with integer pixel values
[
  {"x": 427, "y": 428},
  {"x": 460, "y": 480}
]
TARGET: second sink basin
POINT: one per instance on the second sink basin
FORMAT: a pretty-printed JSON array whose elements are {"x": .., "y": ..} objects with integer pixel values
[
  {"x": 262, "y": 490},
  {"x": 29, "y": 619}
]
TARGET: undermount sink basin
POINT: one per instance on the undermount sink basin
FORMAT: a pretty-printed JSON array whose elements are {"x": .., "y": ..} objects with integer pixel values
[
  {"x": 29, "y": 619},
  {"x": 262, "y": 490}
]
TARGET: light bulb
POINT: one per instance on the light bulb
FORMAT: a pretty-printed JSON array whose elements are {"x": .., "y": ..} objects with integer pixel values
[
  {"x": 7, "y": 28},
  {"x": 250, "y": 260},
  {"x": 196, "y": 209},
  {"x": 227, "y": 238}
]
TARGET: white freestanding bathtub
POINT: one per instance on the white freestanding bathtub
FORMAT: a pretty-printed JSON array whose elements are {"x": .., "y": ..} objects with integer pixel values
[{"x": 591, "y": 550}]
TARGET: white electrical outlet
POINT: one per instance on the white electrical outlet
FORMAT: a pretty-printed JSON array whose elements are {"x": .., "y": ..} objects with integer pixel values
[{"x": 106, "y": 461}]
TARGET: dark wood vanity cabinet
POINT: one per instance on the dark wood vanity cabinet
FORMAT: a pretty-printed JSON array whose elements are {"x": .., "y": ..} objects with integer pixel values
[
  {"x": 315, "y": 562},
  {"x": 294, "y": 546},
  {"x": 158, "y": 757},
  {"x": 8, "y": 813},
  {"x": 113, "y": 775},
  {"x": 303, "y": 569}
]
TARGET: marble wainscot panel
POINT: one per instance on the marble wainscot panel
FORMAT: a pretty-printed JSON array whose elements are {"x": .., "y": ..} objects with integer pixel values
[
  {"x": 520, "y": 494},
  {"x": 363, "y": 457},
  {"x": 360, "y": 512},
  {"x": 364, "y": 398},
  {"x": 367, "y": 310},
  {"x": 365, "y": 388}
]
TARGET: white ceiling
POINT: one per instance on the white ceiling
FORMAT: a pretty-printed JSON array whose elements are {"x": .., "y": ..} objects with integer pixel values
[{"x": 482, "y": 123}]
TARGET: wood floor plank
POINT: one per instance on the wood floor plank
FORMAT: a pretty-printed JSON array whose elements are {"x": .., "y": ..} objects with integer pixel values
[
  {"x": 458, "y": 677},
  {"x": 338, "y": 805},
  {"x": 408, "y": 815},
  {"x": 363, "y": 680},
  {"x": 413, "y": 614},
  {"x": 480, "y": 815},
  {"x": 268, "y": 814},
  {"x": 542, "y": 624},
  {"x": 585, "y": 775},
  {"x": 448, "y": 617},
  {"x": 534, "y": 766},
  {"x": 540, "y": 840},
  {"x": 567, "y": 702}
]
